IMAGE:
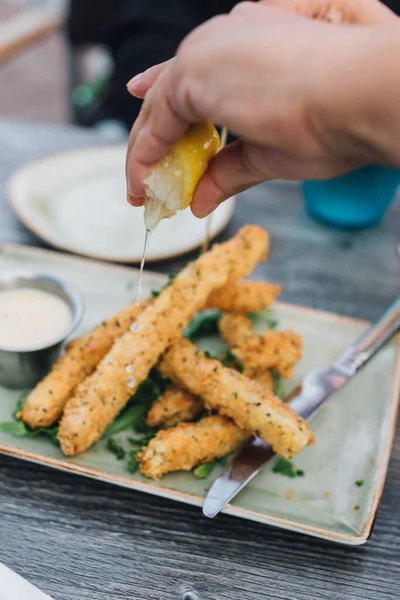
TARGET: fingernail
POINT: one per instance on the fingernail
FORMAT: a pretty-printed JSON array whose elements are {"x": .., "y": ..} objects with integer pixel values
[
  {"x": 134, "y": 80},
  {"x": 135, "y": 200}
]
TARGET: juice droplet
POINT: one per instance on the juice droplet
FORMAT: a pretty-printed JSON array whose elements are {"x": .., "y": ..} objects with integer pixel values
[
  {"x": 134, "y": 327},
  {"x": 130, "y": 382},
  {"x": 140, "y": 277},
  {"x": 129, "y": 368}
]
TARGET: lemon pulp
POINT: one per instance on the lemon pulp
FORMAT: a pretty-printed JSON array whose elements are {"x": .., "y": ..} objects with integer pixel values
[{"x": 171, "y": 183}]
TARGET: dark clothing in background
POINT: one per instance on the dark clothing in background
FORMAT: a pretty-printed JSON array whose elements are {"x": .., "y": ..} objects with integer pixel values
[{"x": 139, "y": 34}]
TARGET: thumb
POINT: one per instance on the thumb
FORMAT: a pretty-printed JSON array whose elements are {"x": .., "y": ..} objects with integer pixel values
[{"x": 231, "y": 171}]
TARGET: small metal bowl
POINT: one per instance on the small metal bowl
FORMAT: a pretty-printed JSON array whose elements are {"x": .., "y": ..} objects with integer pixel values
[{"x": 23, "y": 368}]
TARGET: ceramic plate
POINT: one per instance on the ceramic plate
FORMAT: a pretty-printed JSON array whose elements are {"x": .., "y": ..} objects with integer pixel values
[
  {"x": 76, "y": 201},
  {"x": 353, "y": 433}
]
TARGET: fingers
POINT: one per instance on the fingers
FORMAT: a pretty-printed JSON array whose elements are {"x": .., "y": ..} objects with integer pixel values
[
  {"x": 140, "y": 84},
  {"x": 231, "y": 171},
  {"x": 134, "y": 198},
  {"x": 367, "y": 12},
  {"x": 155, "y": 130},
  {"x": 242, "y": 165}
]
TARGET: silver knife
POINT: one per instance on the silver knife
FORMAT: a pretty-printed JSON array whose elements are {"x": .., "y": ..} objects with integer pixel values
[{"x": 307, "y": 400}]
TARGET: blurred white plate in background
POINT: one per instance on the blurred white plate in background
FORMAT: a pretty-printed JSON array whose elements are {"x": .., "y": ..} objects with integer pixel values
[{"x": 76, "y": 201}]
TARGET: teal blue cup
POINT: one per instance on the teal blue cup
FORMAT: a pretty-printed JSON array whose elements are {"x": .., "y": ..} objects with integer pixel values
[{"x": 356, "y": 200}]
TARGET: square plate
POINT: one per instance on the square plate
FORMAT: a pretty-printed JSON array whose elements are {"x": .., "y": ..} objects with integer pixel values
[{"x": 354, "y": 432}]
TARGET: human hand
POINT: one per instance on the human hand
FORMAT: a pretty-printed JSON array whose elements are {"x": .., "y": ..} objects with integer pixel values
[{"x": 259, "y": 71}]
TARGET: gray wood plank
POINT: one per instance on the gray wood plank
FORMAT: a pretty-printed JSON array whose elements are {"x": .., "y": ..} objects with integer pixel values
[{"x": 79, "y": 539}]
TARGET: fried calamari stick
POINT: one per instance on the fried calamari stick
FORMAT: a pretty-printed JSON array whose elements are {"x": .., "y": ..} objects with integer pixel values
[
  {"x": 244, "y": 296},
  {"x": 190, "y": 444},
  {"x": 246, "y": 402},
  {"x": 173, "y": 407},
  {"x": 278, "y": 350},
  {"x": 102, "y": 395},
  {"x": 45, "y": 403},
  {"x": 263, "y": 377},
  {"x": 177, "y": 405}
]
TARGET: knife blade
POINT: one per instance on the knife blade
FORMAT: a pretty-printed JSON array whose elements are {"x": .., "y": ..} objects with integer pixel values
[{"x": 307, "y": 400}]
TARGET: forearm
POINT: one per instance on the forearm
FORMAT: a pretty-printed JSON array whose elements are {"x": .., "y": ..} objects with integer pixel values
[{"x": 359, "y": 104}]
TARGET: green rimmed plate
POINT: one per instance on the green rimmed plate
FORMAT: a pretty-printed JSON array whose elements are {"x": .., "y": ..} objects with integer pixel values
[{"x": 353, "y": 433}]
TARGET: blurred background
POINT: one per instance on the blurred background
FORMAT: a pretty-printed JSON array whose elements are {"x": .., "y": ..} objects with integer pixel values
[
  {"x": 69, "y": 60},
  {"x": 32, "y": 61},
  {"x": 66, "y": 63}
]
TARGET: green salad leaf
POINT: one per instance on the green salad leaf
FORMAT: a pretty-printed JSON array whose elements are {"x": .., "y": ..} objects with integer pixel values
[
  {"x": 20, "y": 429},
  {"x": 171, "y": 277},
  {"x": 115, "y": 448},
  {"x": 283, "y": 466},
  {"x": 267, "y": 317},
  {"x": 229, "y": 359},
  {"x": 278, "y": 384},
  {"x": 203, "y": 323},
  {"x": 203, "y": 471},
  {"x": 133, "y": 464}
]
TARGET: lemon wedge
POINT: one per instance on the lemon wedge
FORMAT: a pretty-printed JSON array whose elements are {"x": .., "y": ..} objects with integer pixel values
[{"x": 171, "y": 183}]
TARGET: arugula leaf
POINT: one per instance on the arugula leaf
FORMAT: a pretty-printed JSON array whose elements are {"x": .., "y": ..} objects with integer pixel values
[
  {"x": 283, "y": 466},
  {"x": 18, "y": 428},
  {"x": 171, "y": 277},
  {"x": 134, "y": 414},
  {"x": 229, "y": 359},
  {"x": 359, "y": 483},
  {"x": 203, "y": 323},
  {"x": 115, "y": 448},
  {"x": 278, "y": 384},
  {"x": 203, "y": 471},
  {"x": 268, "y": 317},
  {"x": 144, "y": 440},
  {"x": 15, "y": 427},
  {"x": 133, "y": 464},
  {"x": 19, "y": 406},
  {"x": 224, "y": 460},
  {"x": 128, "y": 419}
]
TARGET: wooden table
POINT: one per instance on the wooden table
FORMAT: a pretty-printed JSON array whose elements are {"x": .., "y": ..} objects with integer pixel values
[{"x": 78, "y": 539}]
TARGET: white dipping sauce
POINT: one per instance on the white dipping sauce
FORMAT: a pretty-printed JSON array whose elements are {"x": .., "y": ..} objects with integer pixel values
[{"x": 31, "y": 318}]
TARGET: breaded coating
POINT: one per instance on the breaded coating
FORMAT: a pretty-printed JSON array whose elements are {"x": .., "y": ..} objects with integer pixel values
[
  {"x": 100, "y": 398},
  {"x": 249, "y": 404},
  {"x": 177, "y": 405},
  {"x": 45, "y": 403},
  {"x": 236, "y": 329},
  {"x": 244, "y": 296},
  {"x": 173, "y": 407},
  {"x": 263, "y": 377},
  {"x": 278, "y": 350},
  {"x": 190, "y": 444}
]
